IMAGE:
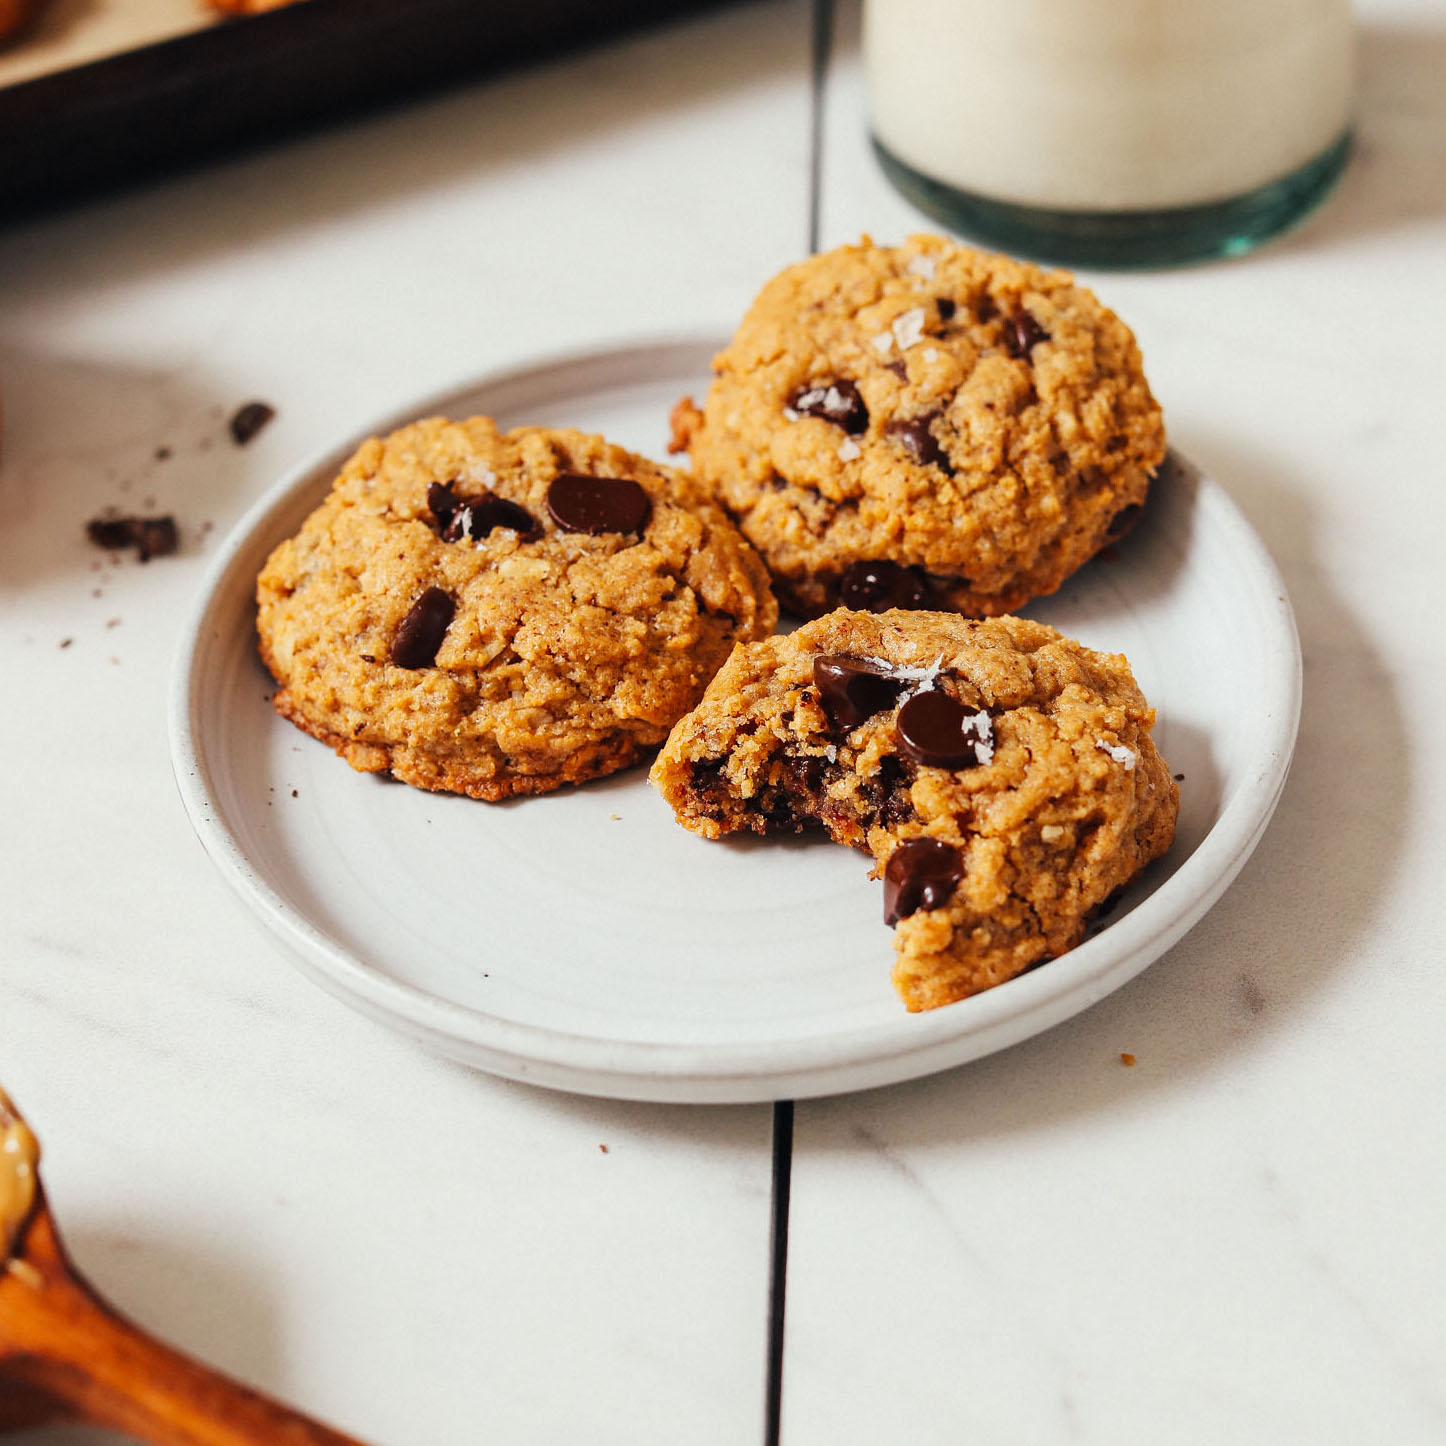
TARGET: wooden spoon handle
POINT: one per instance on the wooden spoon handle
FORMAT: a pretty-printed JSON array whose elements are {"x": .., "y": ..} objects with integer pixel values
[{"x": 61, "y": 1339}]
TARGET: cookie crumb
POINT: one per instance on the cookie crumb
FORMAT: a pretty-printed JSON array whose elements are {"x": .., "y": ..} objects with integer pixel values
[
  {"x": 1127, "y": 1059},
  {"x": 1179, "y": 778},
  {"x": 150, "y": 536},
  {"x": 248, "y": 420},
  {"x": 113, "y": 622},
  {"x": 603, "y": 1148},
  {"x": 616, "y": 817},
  {"x": 293, "y": 793},
  {"x": 66, "y": 642},
  {"x": 163, "y": 454}
]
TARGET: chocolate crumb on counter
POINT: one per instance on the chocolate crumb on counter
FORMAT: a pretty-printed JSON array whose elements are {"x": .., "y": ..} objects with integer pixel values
[
  {"x": 246, "y": 421},
  {"x": 1127, "y": 1059},
  {"x": 150, "y": 536}
]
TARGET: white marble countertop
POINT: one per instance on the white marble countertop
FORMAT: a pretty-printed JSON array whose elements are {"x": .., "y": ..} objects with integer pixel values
[{"x": 1239, "y": 1239}]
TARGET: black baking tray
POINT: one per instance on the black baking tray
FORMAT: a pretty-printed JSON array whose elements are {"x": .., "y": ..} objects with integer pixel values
[{"x": 92, "y": 128}]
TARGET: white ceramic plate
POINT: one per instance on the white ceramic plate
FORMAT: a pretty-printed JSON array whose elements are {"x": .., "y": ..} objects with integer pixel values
[{"x": 583, "y": 941}]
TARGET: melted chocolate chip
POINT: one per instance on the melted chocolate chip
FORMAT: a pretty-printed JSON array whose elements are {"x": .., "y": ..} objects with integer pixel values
[
  {"x": 597, "y": 504},
  {"x": 1123, "y": 521},
  {"x": 838, "y": 402},
  {"x": 877, "y": 586},
  {"x": 422, "y": 630},
  {"x": 492, "y": 512},
  {"x": 947, "y": 307},
  {"x": 459, "y": 517},
  {"x": 442, "y": 502},
  {"x": 918, "y": 441},
  {"x": 248, "y": 420},
  {"x": 853, "y": 689},
  {"x": 1022, "y": 333},
  {"x": 921, "y": 874},
  {"x": 939, "y": 732}
]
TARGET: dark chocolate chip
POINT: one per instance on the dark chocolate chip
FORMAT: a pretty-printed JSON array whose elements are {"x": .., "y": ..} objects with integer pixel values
[
  {"x": 918, "y": 441},
  {"x": 442, "y": 503},
  {"x": 939, "y": 732},
  {"x": 877, "y": 586},
  {"x": 150, "y": 536},
  {"x": 1022, "y": 333},
  {"x": 422, "y": 630},
  {"x": 899, "y": 367},
  {"x": 479, "y": 518},
  {"x": 493, "y": 512},
  {"x": 985, "y": 309},
  {"x": 922, "y": 873},
  {"x": 947, "y": 307},
  {"x": 597, "y": 504},
  {"x": 837, "y": 401},
  {"x": 1123, "y": 521},
  {"x": 853, "y": 689},
  {"x": 248, "y": 420}
]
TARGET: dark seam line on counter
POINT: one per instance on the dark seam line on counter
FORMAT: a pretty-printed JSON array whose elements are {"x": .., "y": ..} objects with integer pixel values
[
  {"x": 778, "y": 1265},
  {"x": 820, "y": 38},
  {"x": 820, "y": 42}
]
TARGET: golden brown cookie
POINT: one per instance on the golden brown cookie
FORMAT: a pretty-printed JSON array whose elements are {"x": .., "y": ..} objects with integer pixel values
[
  {"x": 1001, "y": 775},
  {"x": 496, "y": 614},
  {"x": 925, "y": 425}
]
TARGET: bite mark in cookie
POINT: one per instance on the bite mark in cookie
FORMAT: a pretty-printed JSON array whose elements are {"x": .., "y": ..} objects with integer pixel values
[{"x": 1001, "y": 776}]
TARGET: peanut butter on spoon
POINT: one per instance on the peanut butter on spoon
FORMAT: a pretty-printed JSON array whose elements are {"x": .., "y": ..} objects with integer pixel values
[{"x": 66, "y": 1354}]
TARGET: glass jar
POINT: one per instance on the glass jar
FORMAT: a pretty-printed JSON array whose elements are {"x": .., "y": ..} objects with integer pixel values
[{"x": 1112, "y": 132}]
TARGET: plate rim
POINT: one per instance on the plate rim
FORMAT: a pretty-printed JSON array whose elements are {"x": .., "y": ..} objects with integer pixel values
[{"x": 738, "y": 1072}]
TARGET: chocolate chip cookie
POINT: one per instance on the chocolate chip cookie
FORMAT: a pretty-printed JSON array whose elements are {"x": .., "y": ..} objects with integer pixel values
[
  {"x": 925, "y": 426},
  {"x": 1001, "y": 776},
  {"x": 498, "y": 613}
]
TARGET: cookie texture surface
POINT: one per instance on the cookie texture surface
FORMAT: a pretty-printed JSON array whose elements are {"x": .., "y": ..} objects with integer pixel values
[
  {"x": 1002, "y": 777},
  {"x": 925, "y": 425},
  {"x": 497, "y": 614}
]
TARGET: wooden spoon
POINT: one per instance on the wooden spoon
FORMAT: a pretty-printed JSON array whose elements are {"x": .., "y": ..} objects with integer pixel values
[{"x": 67, "y": 1355}]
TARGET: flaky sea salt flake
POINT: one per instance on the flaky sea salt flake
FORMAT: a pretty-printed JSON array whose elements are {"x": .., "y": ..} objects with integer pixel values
[
  {"x": 921, "y": 266},
  {"x": 908, "y": 329},
  {"x": 849, "y": 450},
  {"x": 1127, "y": 757},
  {"x": 882, "y": 342}
]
